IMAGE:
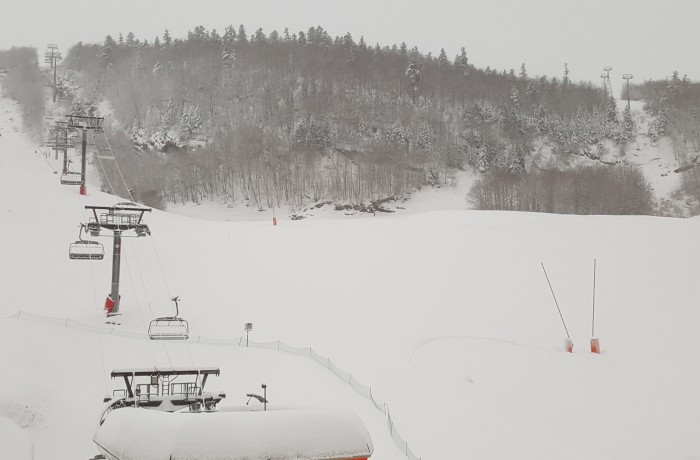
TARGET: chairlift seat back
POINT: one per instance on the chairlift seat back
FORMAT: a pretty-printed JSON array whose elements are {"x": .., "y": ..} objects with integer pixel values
[
  {"x": 86, "y": 250},
  {"x": 168, "y": 328}
]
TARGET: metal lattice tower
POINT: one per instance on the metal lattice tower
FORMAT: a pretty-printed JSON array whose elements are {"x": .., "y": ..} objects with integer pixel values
[
  {"x": 607, "y": 86},
  {"x": 628, "y": 77},
  {"x": 51, "y": 57}
]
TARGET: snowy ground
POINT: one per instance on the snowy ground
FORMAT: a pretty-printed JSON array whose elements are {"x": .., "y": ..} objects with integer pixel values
[{"x": 446, "y": 314}]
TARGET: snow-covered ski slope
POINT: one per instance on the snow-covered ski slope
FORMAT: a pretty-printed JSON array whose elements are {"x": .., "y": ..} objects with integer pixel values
[{"x": 446, "y": 315}]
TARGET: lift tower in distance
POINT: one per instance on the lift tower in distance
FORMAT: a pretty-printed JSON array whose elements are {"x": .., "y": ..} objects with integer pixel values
[
  {"x": 120, "y": 218},
  {"x": 51, "y": 57},
  {"x": 607, "y": 86},
  {"x": 84, "y": 123},
  {"x": 628, "y": 77}
]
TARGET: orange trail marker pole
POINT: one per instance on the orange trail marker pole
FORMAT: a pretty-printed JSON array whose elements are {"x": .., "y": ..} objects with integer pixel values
[{"x": 595, "y": 344}]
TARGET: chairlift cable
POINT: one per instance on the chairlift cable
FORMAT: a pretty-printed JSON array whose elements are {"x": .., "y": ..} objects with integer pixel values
[
  {"x": 116, "y": 163},
  {"x": 150, "y": 308},
  {"x": 48, "y": 162},
  {"x": 104, "y": 171},
  {"x": 99, "y": 336},
  {"x": 138, "y": 307},
  {"x": 160, "y": 265}
]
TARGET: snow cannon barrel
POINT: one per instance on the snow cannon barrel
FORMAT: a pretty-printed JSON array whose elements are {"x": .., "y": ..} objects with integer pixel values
[{"x": 595, "y": 345}]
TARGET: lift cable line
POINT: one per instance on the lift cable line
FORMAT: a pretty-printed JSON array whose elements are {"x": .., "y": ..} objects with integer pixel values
[{"x": 555, "y": 301}]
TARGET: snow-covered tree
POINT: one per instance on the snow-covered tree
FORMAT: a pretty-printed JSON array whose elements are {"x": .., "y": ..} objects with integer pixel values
[
  {"x": 130, "y": 40},
  {"x": 611, "y": 114},
  {"x": 107, "y": 51},
  {"x": 523, "y": 72},
  {"x": 443, "y": 63},
  {"x": 413, "y": 75},
  {"x": 167, "y": 116},
  {"x": 462, "y": 62},
  {"x": 515, "y": 97},
  {"x": 628, "y": 126}
]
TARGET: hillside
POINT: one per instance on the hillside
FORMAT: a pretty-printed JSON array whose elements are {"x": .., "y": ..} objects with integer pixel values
[{"x": 446, "y": 315}]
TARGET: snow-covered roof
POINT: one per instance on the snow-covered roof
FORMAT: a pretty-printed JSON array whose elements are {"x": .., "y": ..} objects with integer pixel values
[{"x": 320, "y": 434}]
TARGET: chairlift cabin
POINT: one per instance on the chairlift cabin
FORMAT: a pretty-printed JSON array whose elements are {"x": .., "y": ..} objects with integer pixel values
[
  {"x": 169, "y": 327},
  {"x": 85, "y": 249},
  {"x": 72, "y": 178}
]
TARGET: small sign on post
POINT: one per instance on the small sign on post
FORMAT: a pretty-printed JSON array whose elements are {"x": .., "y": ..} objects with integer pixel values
[{"x": 248, "y": 327}]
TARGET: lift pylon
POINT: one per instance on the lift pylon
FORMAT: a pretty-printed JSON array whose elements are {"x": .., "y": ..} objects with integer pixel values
[
  {"x": 120, "y": 218},
  {"x": 84, "y": 124}
]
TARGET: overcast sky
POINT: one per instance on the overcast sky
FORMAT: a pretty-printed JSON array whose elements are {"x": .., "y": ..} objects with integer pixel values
[{"x": 648, "y": 38}]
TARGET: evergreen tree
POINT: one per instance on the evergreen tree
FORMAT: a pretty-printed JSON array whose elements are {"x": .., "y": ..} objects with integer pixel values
[
  {"x": 242, "y": 37},
  {"x": 628, "y": 125},
  {"x": 139, "y": 70},
  {"x": 462, "y": 62},
  {"x": 442, "y": 59},
  {"x": 157, "y": 69},
  {"x": 167, "y": 115},
  {"x": 107, "y": 51},
  {"x": 259, "y": 37},
  {"x": 531, "y": 92},
  {"x": 515, "y": 97},
  {"x": 167, "y": 40},
  {"x": 523, "y": 72},
  {"x": 361, "y": 44},
  {"x": 229, "y": 35},
  {"x": 413, "y": 75},
  {"x": 611, "y": 114},
  {"x": 228, "y": 57},
  {"x": 130, "y": 40}
]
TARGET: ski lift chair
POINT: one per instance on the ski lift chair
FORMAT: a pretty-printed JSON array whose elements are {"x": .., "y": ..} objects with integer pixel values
[
  {"x": 169, "y": 327},
  {"x": 71, "y": 178},
  {"x": 85, "y": 249}
]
